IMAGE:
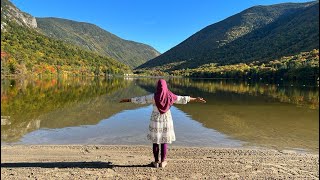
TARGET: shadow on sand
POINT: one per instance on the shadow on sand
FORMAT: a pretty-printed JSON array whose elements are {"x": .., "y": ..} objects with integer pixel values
[{"x": 96, "y": 164}]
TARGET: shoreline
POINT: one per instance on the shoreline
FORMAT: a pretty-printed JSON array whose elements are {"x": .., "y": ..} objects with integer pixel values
[
  {"x": 133, "y": 162},
  {"x": 245, "y": 147}
]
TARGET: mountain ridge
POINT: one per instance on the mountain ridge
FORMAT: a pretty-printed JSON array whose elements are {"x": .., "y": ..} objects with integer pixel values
[
  {"x": 9, "y": 11},
  {"x": 205, "y": 45},
  {"x": 94, "y": 38}
]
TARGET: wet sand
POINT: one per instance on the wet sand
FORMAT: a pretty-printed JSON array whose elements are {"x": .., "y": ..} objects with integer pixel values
[{"x": 133, "y": 162}]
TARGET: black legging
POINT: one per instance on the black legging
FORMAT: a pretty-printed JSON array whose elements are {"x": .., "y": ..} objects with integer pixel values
[{"x": 163, "y": 152}]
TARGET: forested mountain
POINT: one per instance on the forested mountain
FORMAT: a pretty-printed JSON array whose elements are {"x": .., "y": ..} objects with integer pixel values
[
  {"x": 97, "y": 40},
  {"x": 24, "y": 50},
  {"x": 260, "y": 33}
]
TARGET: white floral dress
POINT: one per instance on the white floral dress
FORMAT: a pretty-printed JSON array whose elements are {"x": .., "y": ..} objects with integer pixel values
[{"x": 161, "y": 125}]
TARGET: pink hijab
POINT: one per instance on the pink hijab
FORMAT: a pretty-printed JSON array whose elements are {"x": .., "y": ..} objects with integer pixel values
[{"x": 163, "y": 97}]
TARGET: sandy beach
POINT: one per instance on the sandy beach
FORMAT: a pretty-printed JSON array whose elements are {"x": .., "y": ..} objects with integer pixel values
[{"x": 133, "y": 162}]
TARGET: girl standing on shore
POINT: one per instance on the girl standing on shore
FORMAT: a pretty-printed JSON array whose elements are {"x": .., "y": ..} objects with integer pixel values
[{"x": 161, "y": 129}]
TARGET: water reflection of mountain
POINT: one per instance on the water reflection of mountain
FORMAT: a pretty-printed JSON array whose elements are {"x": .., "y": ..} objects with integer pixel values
[
  {"x": 260, "y": 118},
  {"x": 299, "y": 95},
  {"x": 92, "y": 111},
  {"x": 264, "y": 123},
  {"x": 57, "y": 103},
  {"x": 265, "y": 115}
]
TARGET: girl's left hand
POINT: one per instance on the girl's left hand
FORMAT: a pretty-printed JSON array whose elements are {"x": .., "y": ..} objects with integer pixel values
[{"x": 125, "y": 100}]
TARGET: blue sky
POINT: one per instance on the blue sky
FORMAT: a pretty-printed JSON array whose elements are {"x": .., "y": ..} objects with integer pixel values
[{"x": 161, "y": 24}]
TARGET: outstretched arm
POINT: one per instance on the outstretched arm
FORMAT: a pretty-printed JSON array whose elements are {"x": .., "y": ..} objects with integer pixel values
[
  {"x": 198, "y": 99},
  {"x": 186, "y": 99},
  {"x": 139, "y": 100}
]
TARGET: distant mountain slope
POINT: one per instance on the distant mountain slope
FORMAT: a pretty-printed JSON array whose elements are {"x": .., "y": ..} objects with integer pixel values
[
  {"x": 258, "y": 33},
  {"x": 98, "y": 40},
  {"x": 288, "y": 35},
  {"x": 26, "y": 51}
]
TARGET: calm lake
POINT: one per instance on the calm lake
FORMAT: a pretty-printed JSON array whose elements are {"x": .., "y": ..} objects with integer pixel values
[{"x": 87, "y": 111}]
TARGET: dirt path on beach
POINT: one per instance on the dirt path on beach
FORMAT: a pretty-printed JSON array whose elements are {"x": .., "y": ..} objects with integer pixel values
[{"x": 133, "y": 162}]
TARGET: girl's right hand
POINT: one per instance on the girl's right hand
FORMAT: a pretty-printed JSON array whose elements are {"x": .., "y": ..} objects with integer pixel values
[{"x": 201, "y": 100}]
